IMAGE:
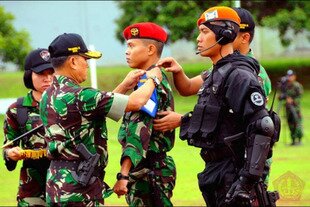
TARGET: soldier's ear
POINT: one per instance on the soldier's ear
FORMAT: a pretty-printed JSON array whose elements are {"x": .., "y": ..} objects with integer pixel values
[
  {"x": 73, "y": 62},
  {"x": 151, "y": 49},
  {"x": 246, "y": 37}
]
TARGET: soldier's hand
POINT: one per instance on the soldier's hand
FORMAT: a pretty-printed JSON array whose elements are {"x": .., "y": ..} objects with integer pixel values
[
  {"x": 155, "y": 72},
  {"x": 170, "y": 65},
  {"x": 239, "y": 193},
  {"x": 169, "y": 120},
  {"x": 120, "y": 187},
  {"x": 14, "y": 154},
  {"x": 132, "y": 78},
  {"x": 289, "y": 100}
]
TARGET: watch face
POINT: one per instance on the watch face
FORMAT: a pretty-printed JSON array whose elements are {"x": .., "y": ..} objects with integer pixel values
[{"x": 156, "y": 80}]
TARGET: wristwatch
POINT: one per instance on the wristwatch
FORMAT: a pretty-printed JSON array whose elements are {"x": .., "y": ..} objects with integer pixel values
[
  {"x": 120, "y": 176},
  {"x": 155, "y": 80}
]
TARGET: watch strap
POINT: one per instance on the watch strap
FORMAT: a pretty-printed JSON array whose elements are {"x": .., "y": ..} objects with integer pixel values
[{"x": 120, "y": 176}]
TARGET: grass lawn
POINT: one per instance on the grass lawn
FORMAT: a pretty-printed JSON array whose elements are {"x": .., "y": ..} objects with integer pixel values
[{"x": 290, "y": 164}]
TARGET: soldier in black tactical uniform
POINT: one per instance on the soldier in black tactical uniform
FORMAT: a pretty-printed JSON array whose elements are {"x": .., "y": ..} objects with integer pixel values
[{"x": 229, "y": 122}]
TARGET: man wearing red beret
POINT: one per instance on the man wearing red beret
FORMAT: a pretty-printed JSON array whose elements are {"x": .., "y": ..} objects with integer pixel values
[{"x": 147, "y": 175}]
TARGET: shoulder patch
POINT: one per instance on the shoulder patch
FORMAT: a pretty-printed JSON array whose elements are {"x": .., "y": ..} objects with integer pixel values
[{"x": 257, "y": 99}]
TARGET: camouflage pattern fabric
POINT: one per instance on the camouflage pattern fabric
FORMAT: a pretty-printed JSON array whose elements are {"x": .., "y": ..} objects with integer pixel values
[
  {"x": 32, "y": 177},
  {"x": 293, "y": 112},
  {"x": 73, "y": 115},
  {"x": 138, "y": 140},
  {"x": 263, "y": 77}
]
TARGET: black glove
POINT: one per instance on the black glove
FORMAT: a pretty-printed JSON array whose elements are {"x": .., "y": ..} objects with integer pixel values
[{"x": 239, "y": 193}]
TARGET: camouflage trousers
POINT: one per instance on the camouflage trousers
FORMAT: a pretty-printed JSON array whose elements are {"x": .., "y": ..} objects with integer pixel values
[
  {"x": 31, "y": 201},
  {"x": 294, "y": 121},
  {"x": 75, "y": 204},
  {"x": 152, "y": 187},
  {"x": 63, "y": 190},
  {"x": 31, "y": 190}
]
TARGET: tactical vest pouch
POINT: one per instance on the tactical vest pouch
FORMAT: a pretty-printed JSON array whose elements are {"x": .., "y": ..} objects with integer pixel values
[
  {"x": 196, "y": 120},
  {"x": 185, "y": 122},
  {"x": 204, "y": 138},
  {"x": 209, "y": 123}
]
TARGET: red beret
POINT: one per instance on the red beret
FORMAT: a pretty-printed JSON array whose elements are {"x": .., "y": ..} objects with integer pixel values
[{"x": 145, "y": 30}]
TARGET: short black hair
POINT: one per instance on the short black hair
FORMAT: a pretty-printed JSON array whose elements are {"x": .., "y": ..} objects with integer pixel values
[
  {"x": 28, "y": 79},
  {"x": 58, "y": 61},
  {"x": 159, "y": 45}
]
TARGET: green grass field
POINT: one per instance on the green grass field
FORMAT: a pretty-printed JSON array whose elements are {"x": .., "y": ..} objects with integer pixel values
[{"x": 286, "y": 158}]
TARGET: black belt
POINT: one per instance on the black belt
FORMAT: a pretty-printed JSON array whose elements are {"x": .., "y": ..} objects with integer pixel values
[
  {"x": 217, "y": 154},
  {"x": 67, "y": 164}
]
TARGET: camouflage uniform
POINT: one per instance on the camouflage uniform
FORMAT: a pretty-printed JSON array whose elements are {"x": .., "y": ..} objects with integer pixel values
[
  {"x": 293, "y": 114},
  {"x": 153, "y": 174},
  {"x": 73, "y": 115},
  {"x": 32, "y": 177}
]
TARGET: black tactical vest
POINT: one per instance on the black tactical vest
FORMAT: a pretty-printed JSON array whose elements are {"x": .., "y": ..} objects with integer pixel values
[{"x": 212, "y": 120}]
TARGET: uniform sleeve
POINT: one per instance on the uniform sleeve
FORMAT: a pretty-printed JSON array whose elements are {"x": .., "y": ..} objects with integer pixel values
[
  {"x": 297, "y": 93},
  {"x": 300, "y": 90},
  {"x": 134, "y": 135},
  {"x": 244, "y": 93},
  {"x": 118, "y": 106},
  {"x": 10, "y": 129},
  {"x": 94, "y": 103},
  {"x": 266, "y": 83},
  {"x": 10, "y": 126}
]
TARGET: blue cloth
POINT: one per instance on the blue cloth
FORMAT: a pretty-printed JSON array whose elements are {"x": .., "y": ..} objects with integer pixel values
[{"x": 152, "y": 105}]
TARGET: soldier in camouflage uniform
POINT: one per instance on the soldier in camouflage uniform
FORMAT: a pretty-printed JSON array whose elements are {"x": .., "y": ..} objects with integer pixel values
[
  {"x": 148, "y": 174},
  {"x": 23, "y": 116},
  {"x": 75, "y": 121},
  {"x": 291, "y": 93}
]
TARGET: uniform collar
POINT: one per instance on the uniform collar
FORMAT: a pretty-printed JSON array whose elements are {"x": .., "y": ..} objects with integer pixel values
[
  {"x": 60, "y": 79},
  {"x": 29, "y": 100},
  {"x": 151, "y": 67},
  {"x": 250, "y": 54}
]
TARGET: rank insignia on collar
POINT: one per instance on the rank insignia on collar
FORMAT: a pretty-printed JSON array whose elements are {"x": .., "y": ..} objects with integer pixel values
[{"x": 134, "y": 31}]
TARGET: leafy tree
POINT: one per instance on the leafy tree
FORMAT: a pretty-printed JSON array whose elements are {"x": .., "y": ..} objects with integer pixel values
[
  {"x": 296, "y": 18},
  {"x": 14, "y": 45},
  {"x": 180, "y": 17}
]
